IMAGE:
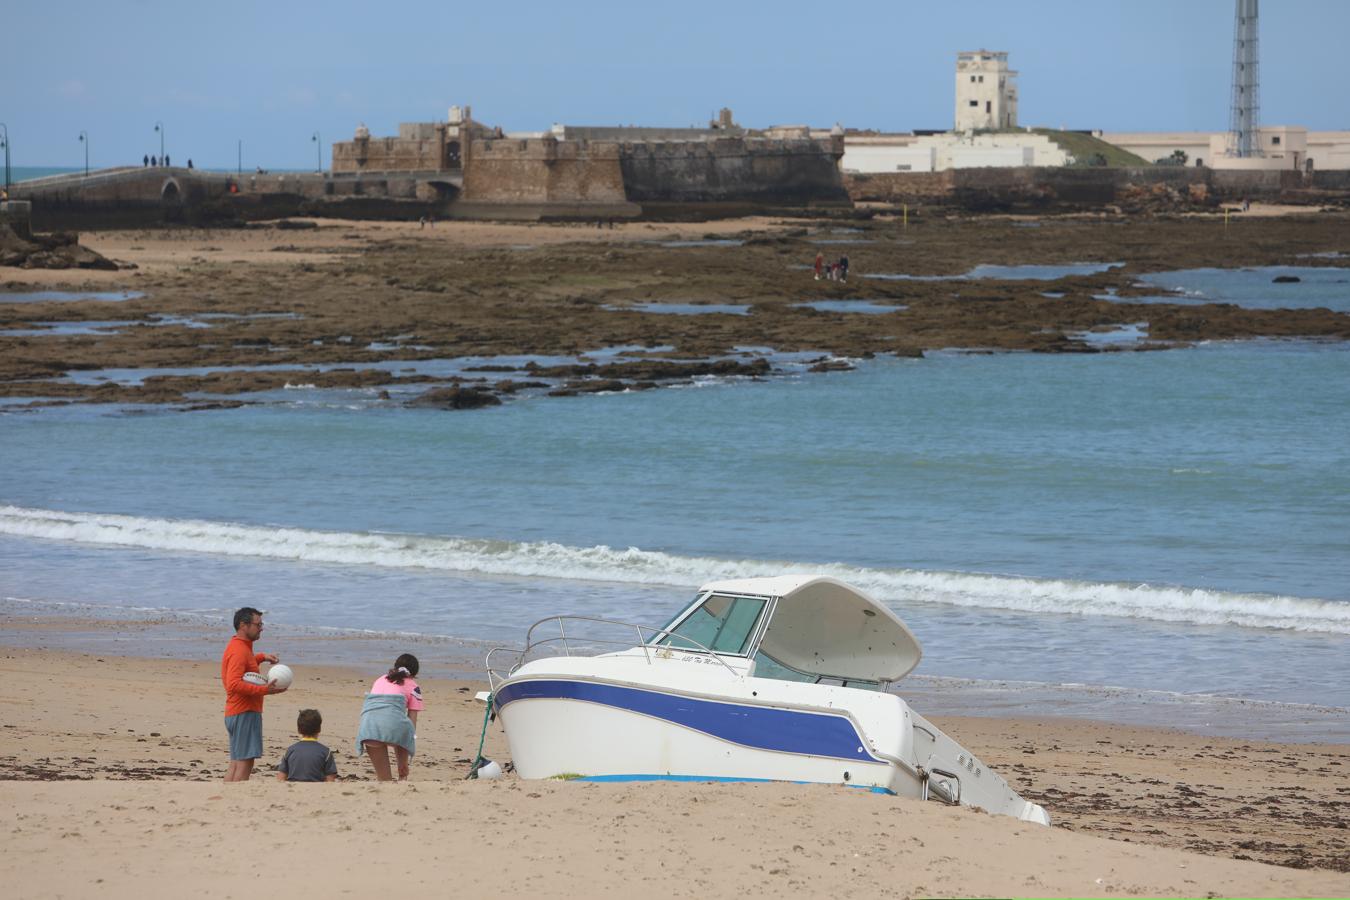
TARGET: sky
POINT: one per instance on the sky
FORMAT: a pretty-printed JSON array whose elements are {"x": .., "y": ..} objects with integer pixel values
[{"x": 269, "y": 76}]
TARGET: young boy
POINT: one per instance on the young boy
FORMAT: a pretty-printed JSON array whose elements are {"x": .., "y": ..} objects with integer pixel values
[{"x": 307, "y": 759}]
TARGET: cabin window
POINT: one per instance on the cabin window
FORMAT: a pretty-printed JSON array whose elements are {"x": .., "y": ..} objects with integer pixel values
[
  {"x": 768, "y": 667},
  {"x": 724, "y": 624}
]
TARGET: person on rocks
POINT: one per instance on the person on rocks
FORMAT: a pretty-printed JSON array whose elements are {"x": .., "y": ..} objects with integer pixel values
[
  {"x": 820, "y": 264},
  {"x": 389, "y": 718},
  {"x": 843, "y": 267},
  {"x": 243, "y": 697}
]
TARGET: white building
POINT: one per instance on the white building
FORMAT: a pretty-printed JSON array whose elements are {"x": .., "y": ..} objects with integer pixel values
[
  {"x": 1282, "y": 146},
  {"x": 986, "y": 97},
  {"x": 871, "y": 154}
]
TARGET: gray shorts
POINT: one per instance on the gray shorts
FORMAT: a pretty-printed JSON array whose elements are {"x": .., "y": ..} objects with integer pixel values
[{"x": 245, "y": 735}]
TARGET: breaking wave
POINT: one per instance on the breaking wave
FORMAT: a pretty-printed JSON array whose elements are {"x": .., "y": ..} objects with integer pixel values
[{"x": 546, "y": 559}]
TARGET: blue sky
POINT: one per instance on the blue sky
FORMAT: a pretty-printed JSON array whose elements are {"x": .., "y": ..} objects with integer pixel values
[{"x": 273, "y": 74}]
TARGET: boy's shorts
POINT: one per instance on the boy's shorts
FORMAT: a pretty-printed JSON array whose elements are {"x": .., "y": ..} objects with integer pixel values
[{"x": 245, "y": 735}]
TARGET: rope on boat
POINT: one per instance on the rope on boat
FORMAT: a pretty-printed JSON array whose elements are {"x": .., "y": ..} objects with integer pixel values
[{"x": 478, "y": 760}]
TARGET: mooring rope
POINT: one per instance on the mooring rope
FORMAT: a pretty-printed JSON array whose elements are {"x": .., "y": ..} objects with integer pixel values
[{"x": 478, "y": 760}]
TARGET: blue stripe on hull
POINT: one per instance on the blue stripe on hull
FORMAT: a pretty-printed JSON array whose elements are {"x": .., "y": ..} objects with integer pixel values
[
  {"x": 762, "y": 727},
  {"x": 697, "y": 779}
]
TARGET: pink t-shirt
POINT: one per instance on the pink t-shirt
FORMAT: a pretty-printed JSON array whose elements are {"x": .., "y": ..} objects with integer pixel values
[{"x": 408, "y": 689}]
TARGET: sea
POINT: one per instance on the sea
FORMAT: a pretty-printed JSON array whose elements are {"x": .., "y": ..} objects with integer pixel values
[{"x": 1160, "y": 537}]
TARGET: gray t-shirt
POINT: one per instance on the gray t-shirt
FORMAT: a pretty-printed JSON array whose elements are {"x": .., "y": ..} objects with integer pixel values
[{"x": 307, "y": 761}]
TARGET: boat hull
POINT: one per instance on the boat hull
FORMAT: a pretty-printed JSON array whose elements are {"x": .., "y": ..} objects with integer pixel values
[{"x": 566, "y": 727}]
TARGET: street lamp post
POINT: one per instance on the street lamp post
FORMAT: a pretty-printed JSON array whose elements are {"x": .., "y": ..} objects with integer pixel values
[
  {"x": 84, "y": 139},
  {"x": 240, "y": 161},
  {"x": 4, "y": 142},
  {"x": 159, "y": 127},
  {"x": 318, "y": 152}
]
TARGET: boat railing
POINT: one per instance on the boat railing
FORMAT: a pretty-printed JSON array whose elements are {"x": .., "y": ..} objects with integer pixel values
[{"x": 576, "y": 641}]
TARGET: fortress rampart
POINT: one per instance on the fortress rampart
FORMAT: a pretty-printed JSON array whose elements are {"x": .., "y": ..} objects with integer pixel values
[
  {"x": 547, "y": 176},
  {"x": 1050, "y": 188}
]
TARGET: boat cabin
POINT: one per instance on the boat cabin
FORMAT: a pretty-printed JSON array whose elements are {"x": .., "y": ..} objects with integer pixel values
[{"x": 797, "y": 628}]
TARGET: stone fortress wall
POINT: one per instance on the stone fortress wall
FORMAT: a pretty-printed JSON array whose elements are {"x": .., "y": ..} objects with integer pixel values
[
  {"x": 1048, "y": 188},
  {"x": 601, "y": 170},
  {"x": 769, "y": 170},
  {"x": 544, "y": 171}
]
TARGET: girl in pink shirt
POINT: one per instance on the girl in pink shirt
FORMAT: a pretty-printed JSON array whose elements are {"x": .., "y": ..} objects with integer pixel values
[{"x": 389, "y": 718}]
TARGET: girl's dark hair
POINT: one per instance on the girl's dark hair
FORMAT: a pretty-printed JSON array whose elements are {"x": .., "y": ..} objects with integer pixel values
[{"x": 406, "y": 661}]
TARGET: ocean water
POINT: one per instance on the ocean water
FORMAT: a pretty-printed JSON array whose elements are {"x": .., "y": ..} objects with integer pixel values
[
  {"x": 67, "y": 296},
  {"x": 1007, "y": 273},
  {"x": 23, "y": 173},
  {"x": 1255, "y": 288},
  {"x": 1171, "y": 524}
]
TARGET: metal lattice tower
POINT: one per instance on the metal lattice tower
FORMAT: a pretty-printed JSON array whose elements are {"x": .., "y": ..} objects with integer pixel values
[{"x": 1244, "y": 119}]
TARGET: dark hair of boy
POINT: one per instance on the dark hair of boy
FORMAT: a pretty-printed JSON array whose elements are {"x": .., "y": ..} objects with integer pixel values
[{"x": 309, "y": 723}]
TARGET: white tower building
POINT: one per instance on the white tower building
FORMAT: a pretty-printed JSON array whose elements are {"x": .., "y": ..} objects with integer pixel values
[{"x": 986, "y": 97}]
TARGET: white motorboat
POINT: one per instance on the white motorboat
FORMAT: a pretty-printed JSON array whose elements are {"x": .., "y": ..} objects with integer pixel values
[{"x": 759, "y": 679}]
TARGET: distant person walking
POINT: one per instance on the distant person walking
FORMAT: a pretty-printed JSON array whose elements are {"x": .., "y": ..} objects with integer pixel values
[
  {"x": 166, "y": 159},
  {"x": 244, "y": 698},
  {"x": 145, "y": 160},
  {"x": 189, "y": 163},
  {"x": 843, "y": 267},
  {"x": 820, "y": 264},
  {"x": 389, "y": 718}
]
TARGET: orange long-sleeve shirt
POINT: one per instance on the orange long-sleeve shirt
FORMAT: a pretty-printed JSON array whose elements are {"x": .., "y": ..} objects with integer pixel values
[{"x": 240, "y": 696}]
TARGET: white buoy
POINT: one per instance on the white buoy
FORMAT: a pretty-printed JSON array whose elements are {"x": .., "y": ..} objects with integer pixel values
[{"x": 489, "y": 770}]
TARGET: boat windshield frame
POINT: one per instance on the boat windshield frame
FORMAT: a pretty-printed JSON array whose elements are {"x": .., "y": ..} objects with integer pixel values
[{"x": 663, "y": 638}]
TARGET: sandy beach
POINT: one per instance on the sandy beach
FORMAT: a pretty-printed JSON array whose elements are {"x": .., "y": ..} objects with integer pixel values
[{"x": 110, "y": 769}]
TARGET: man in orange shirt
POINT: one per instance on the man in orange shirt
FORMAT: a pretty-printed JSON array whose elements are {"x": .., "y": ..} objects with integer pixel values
[{"x": 244, "y": 699}]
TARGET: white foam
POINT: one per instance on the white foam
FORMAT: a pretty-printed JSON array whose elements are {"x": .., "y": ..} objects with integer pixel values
[{"x": 546, "y": 559}]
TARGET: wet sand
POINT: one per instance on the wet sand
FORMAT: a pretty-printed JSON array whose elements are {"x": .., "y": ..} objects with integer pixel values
[
  {"x": 328, "y": 293},
  {"x": 1136, "y": 810}
]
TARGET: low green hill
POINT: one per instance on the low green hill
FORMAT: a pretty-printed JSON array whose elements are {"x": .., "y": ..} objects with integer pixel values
[{"x": 1084, "y": 148}]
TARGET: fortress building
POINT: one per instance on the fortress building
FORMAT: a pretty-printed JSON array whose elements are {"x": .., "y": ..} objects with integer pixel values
[
  {"x": 581, "y": 171},
  {"x": 419, "y": 147},
  {"x": 986, "y": 97}
]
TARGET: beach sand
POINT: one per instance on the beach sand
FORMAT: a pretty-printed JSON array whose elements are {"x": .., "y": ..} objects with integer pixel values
[
  {"x": 110, "y": 771},
  {"x": 169, "y": 252}
]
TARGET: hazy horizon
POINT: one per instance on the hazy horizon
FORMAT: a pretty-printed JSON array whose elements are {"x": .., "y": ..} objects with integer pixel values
[{"x": 273, "y": 77}]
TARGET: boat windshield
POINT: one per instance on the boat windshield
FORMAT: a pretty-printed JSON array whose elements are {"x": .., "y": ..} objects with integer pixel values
[
  {"x": 768, "y": 667},
  {"x": 722, "y": 623}
]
